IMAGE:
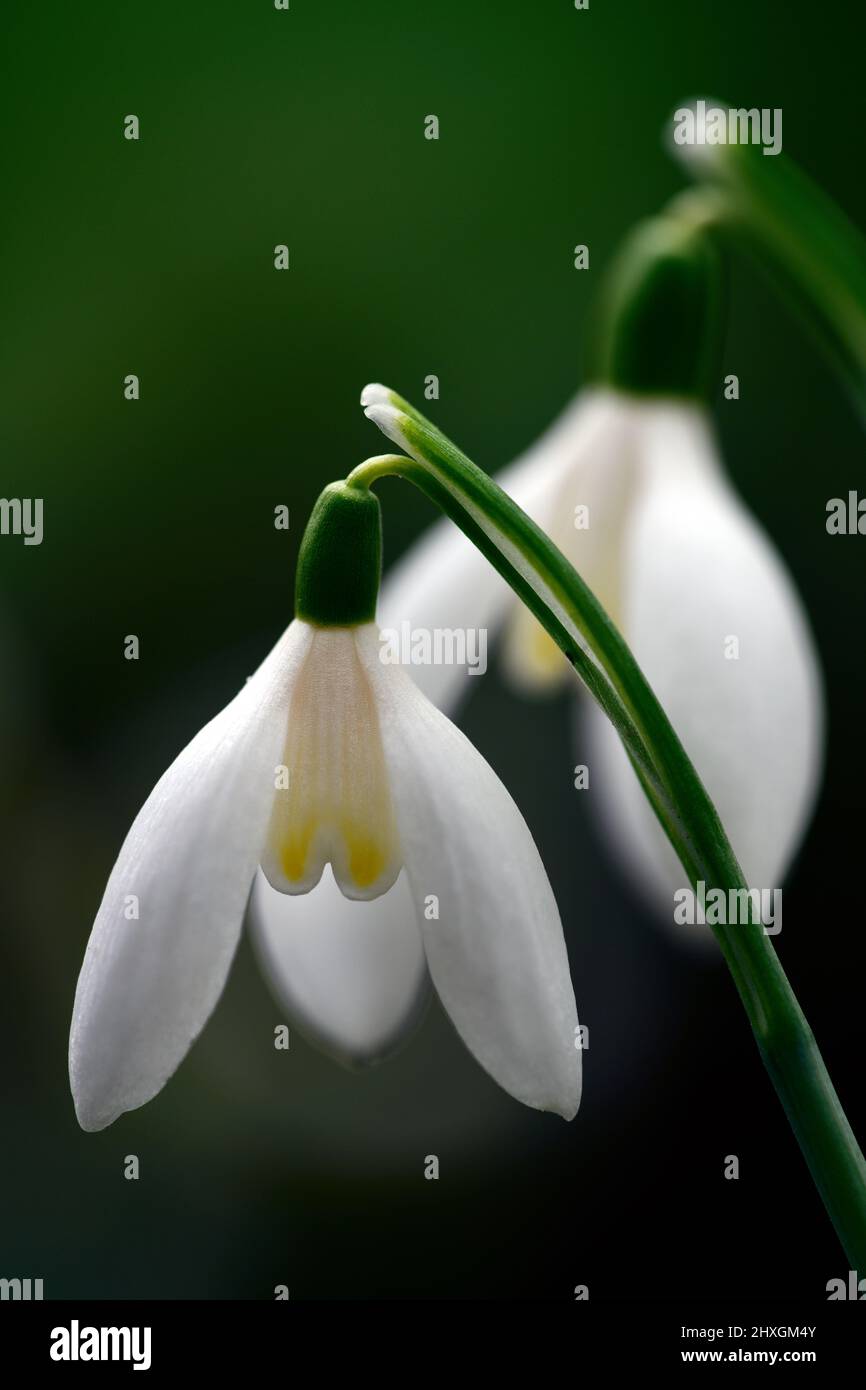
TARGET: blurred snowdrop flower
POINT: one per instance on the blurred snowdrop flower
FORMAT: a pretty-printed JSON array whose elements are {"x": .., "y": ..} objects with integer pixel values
[
  {"x": 629, "y": 485},
  {"x": 328, "y": 756}
]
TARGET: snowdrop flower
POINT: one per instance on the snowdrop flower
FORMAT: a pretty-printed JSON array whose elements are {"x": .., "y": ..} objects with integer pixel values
[
  {"x": 628, "y": 483},
  {"x": 328, "y": 757}
]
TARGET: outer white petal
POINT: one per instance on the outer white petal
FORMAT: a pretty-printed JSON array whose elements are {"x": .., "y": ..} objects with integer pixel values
[
  {"x": 698, "y": 570},
  {"x": 496, "y": 952},
  {"x": 148, "y": 986},
  {"x": 445, "y": 582},
  {"x": 352, "y": 974}
]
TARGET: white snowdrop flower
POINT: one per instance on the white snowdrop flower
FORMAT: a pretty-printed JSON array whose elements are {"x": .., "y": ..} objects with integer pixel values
[
  {"x": 629, "y": 484},
  {"x": 328, "y": 757}
]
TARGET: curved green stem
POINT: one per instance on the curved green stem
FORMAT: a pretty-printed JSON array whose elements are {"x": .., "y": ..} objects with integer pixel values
[
  {"x": 803, "y": 240},
  {"x": 543, "y": 578}
]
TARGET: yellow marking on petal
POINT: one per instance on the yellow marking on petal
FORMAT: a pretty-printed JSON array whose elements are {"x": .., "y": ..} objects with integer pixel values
[
  {"x": 295, "y": 850},
  {"x": 366, "y": 857},
  {"x": 544, "y": 654},
  {"x": 533, "y": 659}
]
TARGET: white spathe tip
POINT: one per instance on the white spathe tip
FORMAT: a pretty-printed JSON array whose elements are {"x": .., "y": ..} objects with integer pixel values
[
  {"x": 696, "y": 153},
  {"x": 374, "y": 393}
]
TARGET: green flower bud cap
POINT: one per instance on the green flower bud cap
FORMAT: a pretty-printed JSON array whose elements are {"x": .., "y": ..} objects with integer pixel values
[
  {"x": 659, "y": 323},
  {"x": 340, "y": 560}
]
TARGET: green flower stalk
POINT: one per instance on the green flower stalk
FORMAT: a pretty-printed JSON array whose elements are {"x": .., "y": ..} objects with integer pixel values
[{"x": 805, "y": 243}]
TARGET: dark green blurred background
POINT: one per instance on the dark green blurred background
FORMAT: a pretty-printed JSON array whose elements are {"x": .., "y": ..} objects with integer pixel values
[{"x": 408, "y": 257}]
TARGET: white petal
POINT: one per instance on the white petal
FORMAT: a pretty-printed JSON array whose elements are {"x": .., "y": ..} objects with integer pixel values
[
  {"x": 148, "y": 986},
  {"x": 496, "y": 953},
  {"x": 445, "y": 582},
  {"x": 352, "y": 974},
  {"x": 697, "y": 571}
]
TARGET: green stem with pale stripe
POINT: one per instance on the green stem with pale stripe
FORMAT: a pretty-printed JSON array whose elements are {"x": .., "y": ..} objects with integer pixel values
[{"x": 552, "y": 589}]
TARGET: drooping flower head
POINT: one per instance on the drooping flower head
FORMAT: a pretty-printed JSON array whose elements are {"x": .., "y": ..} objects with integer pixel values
[
  {"x": 629, "y": 485},
  {"x": 388, "y": 842}
]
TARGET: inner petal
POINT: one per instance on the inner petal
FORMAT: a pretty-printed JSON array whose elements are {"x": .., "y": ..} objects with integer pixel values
[
  {"x": 587, "y": 520},
  {"x": 532, "y": 659},
  {"x": 332, "y": 802}
]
